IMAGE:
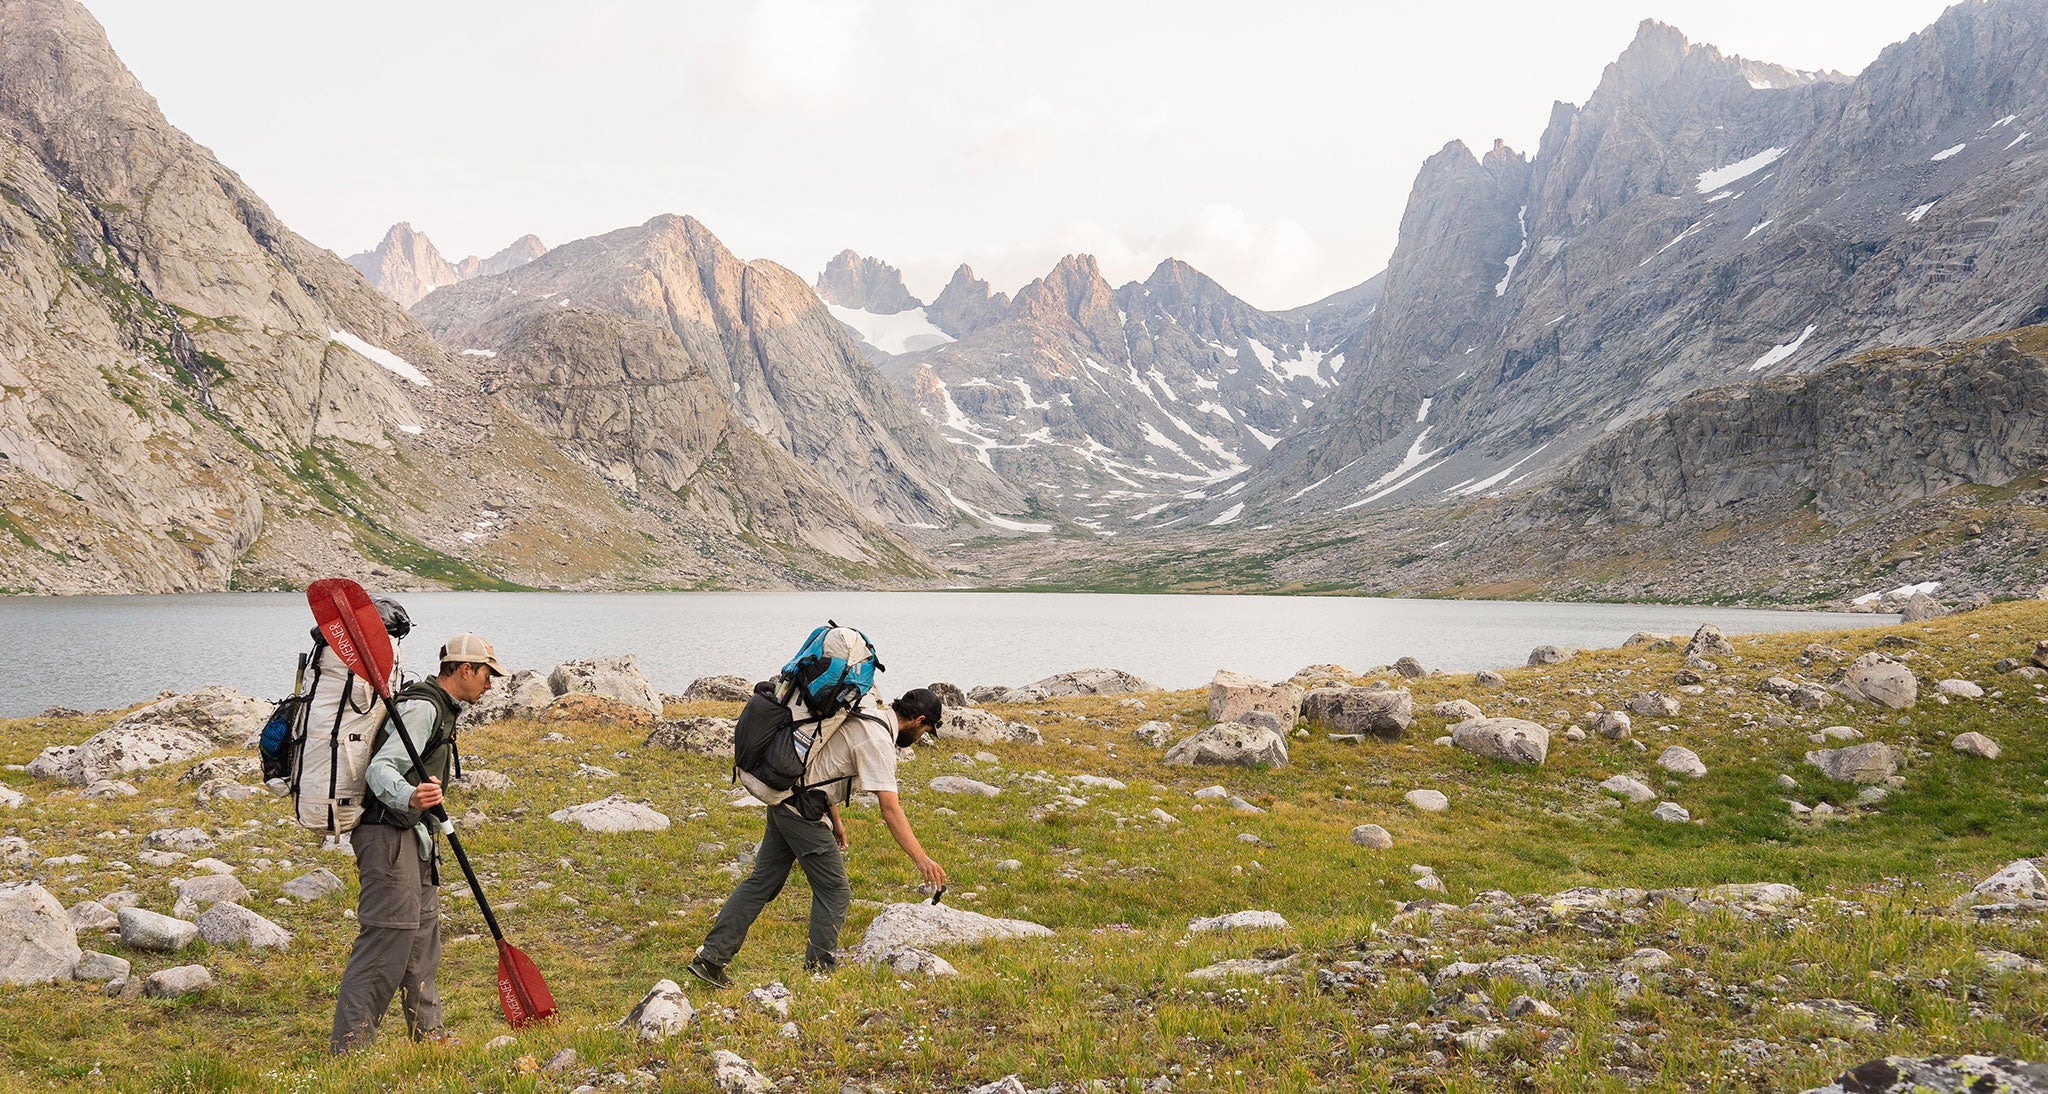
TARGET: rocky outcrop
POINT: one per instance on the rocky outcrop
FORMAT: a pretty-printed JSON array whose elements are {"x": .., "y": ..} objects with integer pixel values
[
  {"x": 868, "y": 284},
  {"x": 925, "y": 926},
  {"x": 1231, "y": 744},
  {"x": 406, "y": 266},
  {"x": 37, "y": 941},
  {"x": 967, "y": 305}
]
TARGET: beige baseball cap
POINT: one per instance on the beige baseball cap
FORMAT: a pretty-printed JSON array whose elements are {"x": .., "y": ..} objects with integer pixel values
[{"x": 472, "y": 649}]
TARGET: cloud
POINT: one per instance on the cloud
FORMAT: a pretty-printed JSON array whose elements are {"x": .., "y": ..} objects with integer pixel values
[{"x": 799, "y": 53}]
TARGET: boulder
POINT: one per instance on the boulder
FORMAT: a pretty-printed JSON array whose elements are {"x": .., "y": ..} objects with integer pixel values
[
  {"x": 228, "y": 923},
  {"x": 660, "y": 1014},
  {"x": 1809, "y": 697},
  {"x": 1457, "y": 710},
  {"x": 1078, "y": 682},
  {"x": 312, "y": 886},
  {"x": 94, "y": 965},
  {"x": 1239, "y": 921},
  {"x": 772, "y": 998},
  {"x": 911, "y": 961},
  {"x": 178, "y": 839},
  {"x": 982, "y": 727},
  {"x": 227, "y": 790},
  {"x": 1865, "y": 763},
  {"x": 222, "y": 767},
  {"x": 200, "y": 893},
  {"x": 477, "y": 779},
  {"x": 15, "y": 851},
  {"x": 949, "y": 694},
  {"x": 106, "y": 790},
  {"x": 1429, "y": 801},
  {"x": 1643, "y": 638},
  {"x": 177, "y": 982},
  {"x": 1550, "y": 655},
  {"x": 1920, "y": 608},
  {"x": 584, "y": 707},
  {"x": 1876, "y": 678},
  {"x": 719, "y": 689},
  {"x": 1487, "y": 678},
  {"x": 924, "y": 926},
  {"x": 1611, "y": 724},
  {"x": 698, "y": 736},
  {"x": 523, "y": 694},
  {"x": 1509, "y": 740},
  {"x": 37, "y": 941},
  {"x": 1976, "y": 744},
  {"x": 1940, "y": 1075},
  {"x": 1154, "y": 734},
  {"x": 2020, "y": 880},
  {"x": 1373, "y": 836},
  {"x": 1959, "y": 689},
  {"x": 121, "y": 749},
  {"x": 1232, "y": 694},
  {"x": 732, "y": 1074},
  {"x": 1708, "y": 641},
  {"x": 1654, "y": 704},
  {"x": 1772, "y": 893},
  {"x": 961, "y": 784},
  {"x": 1671, "y": 813},
  {"x": 1680, "y": 760},
  {"x": 11, "y": 798},
  {"x": 1632, "y": 789},
  {"x": 1230, "y": 743},
  {"x": 617, "y": 678},
  {"x": 1410, "y": 668},
  {"x": 612, "y": 814},
  {"x": 1843, "y": 1015},
  {"x": 91, "y": 915},
  {"x": 146, "y": 930},
  {"x": 1385, "y": 713},
  {"x": 223, "y": 715},
  {"x": 2040, "y": 655}
]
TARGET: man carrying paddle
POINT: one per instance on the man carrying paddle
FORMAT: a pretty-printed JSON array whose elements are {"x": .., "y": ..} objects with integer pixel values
[
  {"x": 864, "y": 748},
  {"x": 398, "y": 914}
]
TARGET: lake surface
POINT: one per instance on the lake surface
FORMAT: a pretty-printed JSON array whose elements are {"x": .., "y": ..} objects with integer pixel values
[{"x": 91, "y": 652}]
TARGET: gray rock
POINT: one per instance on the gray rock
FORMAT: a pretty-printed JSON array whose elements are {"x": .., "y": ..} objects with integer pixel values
[
  {"x": 1373, "y": 836},
  {"x": 1920, "y": 608},
  {"x": 613, "y": 814},
  {"x": 1654, "y": 704},
  {"x": 960, "y": 784},
  {"x": 1629, "y": 788},
  {"x": 222, "y": 767},
  {"x": 106, "y": 790},
  {"x": 1959, "y": 689},
  {"x": 1008, "y": 1084},
  {"x": 1509, "y": 740},
  {"x": 1611, "y": 724},
  {"x": 1242, "y": 966},
  {"x": 1680, "y": 760},
  {"x": 719, "y": 689},
  {"x": 1079, "y": 682},
  {"x": 228, "y": 923},
  {"x": 184, "y": 840},
  {"x": 175, "y": 983},
  {"x": 1231, "y": 744},
  {"x": 1486, "y": 678},
  {"x": 1264, "y": 719},
  {"x": 697, "y": 736},
  {"x": 924, "y": 926},
  {"x": 313, "y": 885},
  {"x": 608, "y": 677},
  {"x": 1940, "y": 1075},
  {"x": 1839, "y": 1013},
  {"x": 564, "y": 1060},
  {"x": 1240, "y": 921},
  {"x": 1232, "y": 694},
  {"x": 949, "y": 694},
  {"x": 911, "y": 961},
  {"x": 1429, "y": 801},
  {"x": 732, "y": 1074},
  {"x": 1550, "y": 655},
  {"x": 661, "y": 1013},
  {"x": 37, "y": 941},
  {"x": 1671, "y": 812},
  {"x": 199, "y": 893},
  {"x": 227, "y": 790},
  {"x": 1876, "y": 678},
  {"x": 1410, "y": 668},
  {"x": 146, "y": 930},
  {"x": 982, "y": 727},
  {"x": 1385, "y": 713},
  {"x": 11, "y": 798},
  {"x": 94, "y": 965},
  {"x": 523, "y": 694},
  {"x": 772, "y": 998},
  {"x": 91, "y": 915},
  {"x": 1769, "y": 893},
  {"x": 1976, "y": 744},
  {"x": 1457, "y": 710},
  {"x": 1099, "y": 782},
  {"x": 1865, "y": 763},
  {"x": 476, "y": 780},
  {"x": 1708, "y": 641},
  {"x": 15, "y": 851},
  {"x": 123, "y": 748},
  {"x": 1154, "y": 734},
  {"x": 2020, "y": 880}
]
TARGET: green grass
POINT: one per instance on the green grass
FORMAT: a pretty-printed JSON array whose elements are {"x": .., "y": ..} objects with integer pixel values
[{"x": 1107, "y": 997}]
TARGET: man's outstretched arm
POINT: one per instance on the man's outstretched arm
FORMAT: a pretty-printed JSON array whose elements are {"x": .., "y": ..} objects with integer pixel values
[{"x": 899, "y": 827}]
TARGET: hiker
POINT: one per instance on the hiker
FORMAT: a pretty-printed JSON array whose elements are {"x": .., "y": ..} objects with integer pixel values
[
  {"x": 863, "y": 747},
  {"x": 398, "y": 914}
]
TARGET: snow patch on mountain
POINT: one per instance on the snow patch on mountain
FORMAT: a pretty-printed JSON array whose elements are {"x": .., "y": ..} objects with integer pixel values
[
  {"x": 897, "y": 332},
  {"x": 1710, "y": 181},
  {"x": 391, "y": 361},
  {"x": 1781, "y": 352}
]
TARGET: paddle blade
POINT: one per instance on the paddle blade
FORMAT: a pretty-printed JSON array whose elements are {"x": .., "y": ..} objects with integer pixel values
[
  {"x": 352, "y": 628},
  {"x": 521, "y": 992}
]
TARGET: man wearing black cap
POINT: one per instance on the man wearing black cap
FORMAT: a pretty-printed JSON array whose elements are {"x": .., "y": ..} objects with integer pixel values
[
  {"x": 862, "y": 747},
  {"x": 398, "y": 912}
]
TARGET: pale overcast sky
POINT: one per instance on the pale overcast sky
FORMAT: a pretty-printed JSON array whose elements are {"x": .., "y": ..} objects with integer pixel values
[{"x": 1269, "y": 144}]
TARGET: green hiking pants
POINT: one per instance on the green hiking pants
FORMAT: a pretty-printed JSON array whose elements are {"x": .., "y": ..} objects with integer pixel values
[{"x": 789, "y": 840}]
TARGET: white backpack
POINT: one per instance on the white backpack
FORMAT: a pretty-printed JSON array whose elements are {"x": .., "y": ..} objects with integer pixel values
[{"x": 337, "y": 726}]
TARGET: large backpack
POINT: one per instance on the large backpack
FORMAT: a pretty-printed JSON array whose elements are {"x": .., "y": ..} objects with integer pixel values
[
  {"x": 780, "y": 726},
  {"x": 337, "y": 721}
]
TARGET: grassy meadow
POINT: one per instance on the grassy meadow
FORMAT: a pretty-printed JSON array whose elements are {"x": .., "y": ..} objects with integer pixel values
[{"x": 1107, "y": 998}]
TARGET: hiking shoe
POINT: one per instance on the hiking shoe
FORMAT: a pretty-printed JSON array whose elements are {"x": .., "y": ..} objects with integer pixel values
[{"x": 711, "y": 974}]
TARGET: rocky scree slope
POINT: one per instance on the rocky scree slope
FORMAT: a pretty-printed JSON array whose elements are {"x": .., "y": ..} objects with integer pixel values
[
  {"x": 1114, "y": 402},
  {"x": 406, "y": 265},
  {"x": 192, "y": 397},
  {"x": 1701, "y": 218},
  {"x": 759, "y": 333}
]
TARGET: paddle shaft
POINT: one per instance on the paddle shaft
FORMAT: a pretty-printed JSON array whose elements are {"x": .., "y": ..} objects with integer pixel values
[{"x": 439, "y": 812}]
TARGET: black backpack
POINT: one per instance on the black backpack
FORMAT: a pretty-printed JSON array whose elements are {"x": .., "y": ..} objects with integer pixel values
[{"x": 773, "y": 745}]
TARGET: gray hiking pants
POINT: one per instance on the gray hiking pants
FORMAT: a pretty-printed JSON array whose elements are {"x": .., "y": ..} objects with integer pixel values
[
  {"x": 789, "y": 840},
  {"x": 398, "y": 940}
]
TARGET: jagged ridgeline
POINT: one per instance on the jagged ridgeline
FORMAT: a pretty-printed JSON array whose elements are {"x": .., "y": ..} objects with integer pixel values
[{"x": 194, "y": 397}]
